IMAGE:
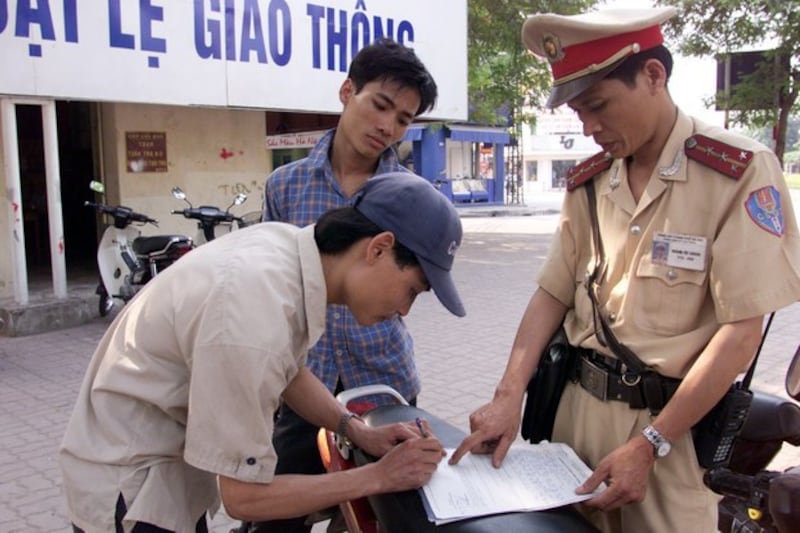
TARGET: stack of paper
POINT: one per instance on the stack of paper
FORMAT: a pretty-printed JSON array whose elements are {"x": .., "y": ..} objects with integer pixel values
[{"x": 532, "y": 478}]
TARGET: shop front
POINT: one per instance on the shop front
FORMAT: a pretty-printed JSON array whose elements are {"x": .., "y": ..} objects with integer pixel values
[
  {"x": 466, "y": 162},
  {"x": 145, "y": 96}
]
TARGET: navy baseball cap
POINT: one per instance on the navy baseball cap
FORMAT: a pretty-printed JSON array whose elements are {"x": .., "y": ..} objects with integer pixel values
[{"x": 423, "y": 220}]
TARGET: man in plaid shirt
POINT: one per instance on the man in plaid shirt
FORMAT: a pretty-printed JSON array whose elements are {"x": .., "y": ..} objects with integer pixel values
[{"x": 387, "y": 86}]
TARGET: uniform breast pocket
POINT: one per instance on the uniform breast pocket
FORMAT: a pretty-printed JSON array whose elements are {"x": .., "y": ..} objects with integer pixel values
[{"x": 668, "y": 300}]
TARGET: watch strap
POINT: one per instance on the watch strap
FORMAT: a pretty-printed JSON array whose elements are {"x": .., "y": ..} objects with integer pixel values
[
  {"x": 661, "y": 444},
  {"x": 341, "y": 427}
]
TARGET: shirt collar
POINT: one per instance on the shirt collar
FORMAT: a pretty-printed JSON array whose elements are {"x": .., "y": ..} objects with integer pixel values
[
  {"x": 319, "y": 158},
  {"x": 672, "y": 163},
  {"x": 315, "y": 292}
]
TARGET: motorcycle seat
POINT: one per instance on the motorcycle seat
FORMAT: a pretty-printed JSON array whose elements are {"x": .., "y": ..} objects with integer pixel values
[
  {"x": 158, "y": 243},
  {"x": 404, "y": 511}
]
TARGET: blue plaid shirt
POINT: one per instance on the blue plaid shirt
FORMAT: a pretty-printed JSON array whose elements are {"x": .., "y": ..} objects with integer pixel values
[{"x": 299, "y": 193}]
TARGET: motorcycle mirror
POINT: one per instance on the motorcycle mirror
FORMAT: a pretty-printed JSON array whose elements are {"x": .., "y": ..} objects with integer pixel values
[
  {"x": 178, "y": 193},
  {"x": 793, "y": 376},
  {"x": 96, "y": 186}
]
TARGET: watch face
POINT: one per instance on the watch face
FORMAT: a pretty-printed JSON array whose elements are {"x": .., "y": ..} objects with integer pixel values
[
  {"x": 663, "y": 449},
  {"x": 661, "y": 446}
]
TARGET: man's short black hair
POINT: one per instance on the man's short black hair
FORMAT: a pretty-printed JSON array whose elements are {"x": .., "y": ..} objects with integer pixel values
[
  {"x": 627, "y": 70},
  {"x": 387, "y": 60},
  {"x": 338, "y": 229}
]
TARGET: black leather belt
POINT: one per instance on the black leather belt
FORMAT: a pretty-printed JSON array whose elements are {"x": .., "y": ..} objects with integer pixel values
[{"x": 603, "y": 378}]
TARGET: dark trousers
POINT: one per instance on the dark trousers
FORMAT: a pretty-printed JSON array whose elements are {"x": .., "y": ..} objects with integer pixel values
[
  {"x": 143, "y": 527},
  {"x": 295, "y": 443}
]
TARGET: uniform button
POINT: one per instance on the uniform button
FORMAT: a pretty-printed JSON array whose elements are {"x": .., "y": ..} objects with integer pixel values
[
  {"x": 337, "y": 315},
  {"x": 612, "y": 316},
  {"x": 636, "y": 230},
  {"x": 338, "y": 352},
  {"x": 251, "y": 461},
  {"x": 671, "y": 274}
]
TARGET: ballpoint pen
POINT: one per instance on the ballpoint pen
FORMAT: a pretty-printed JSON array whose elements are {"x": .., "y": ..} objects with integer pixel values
[{"x": 421, "y": 429}]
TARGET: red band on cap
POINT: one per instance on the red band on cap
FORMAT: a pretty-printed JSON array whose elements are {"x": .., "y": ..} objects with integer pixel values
[{"x": 580, "y": 56}]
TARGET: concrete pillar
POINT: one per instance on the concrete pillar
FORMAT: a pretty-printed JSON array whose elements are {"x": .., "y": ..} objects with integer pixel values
[
  {"x": 54, "y": 211},
  {"x": 16, "y": 226}
]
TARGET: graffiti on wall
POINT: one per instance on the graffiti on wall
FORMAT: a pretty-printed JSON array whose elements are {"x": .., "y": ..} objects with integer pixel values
[{"x": 252, "y": 189}]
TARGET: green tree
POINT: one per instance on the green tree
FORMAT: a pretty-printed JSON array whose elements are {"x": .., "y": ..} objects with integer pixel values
[
  {"x": 714, "y": 27},
  {"x": 504, "y": 78}
]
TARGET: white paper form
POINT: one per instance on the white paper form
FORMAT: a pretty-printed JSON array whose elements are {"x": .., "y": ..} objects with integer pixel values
[{"x": 532, "y": 478}]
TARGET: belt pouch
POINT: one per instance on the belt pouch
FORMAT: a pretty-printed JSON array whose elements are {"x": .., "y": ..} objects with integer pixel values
[
  {"x": 653, "y": 392},
  {"x": 556, "y": 366}
]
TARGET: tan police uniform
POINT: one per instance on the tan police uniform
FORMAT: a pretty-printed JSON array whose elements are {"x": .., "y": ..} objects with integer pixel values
[
  {"x": 665, "y": 313},
  {"x": 184, "y": 383},
  {"x": 712, "y": 240}
]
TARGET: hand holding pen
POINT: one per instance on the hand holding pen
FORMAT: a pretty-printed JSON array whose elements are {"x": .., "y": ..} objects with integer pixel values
[{"x": 424, "y": 430}]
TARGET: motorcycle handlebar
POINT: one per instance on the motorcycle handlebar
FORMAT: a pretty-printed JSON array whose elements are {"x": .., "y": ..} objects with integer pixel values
[
  {"x": 206, "y": 214},
  {"x": 122, "y": 213},
  {"x": 143, "y": 218},
  {"x": 773, "y": 493},
  {"x": 740, "y": 486}
]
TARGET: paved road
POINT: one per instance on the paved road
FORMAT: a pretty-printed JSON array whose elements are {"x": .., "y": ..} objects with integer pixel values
[{"x": 460, "y": 361}]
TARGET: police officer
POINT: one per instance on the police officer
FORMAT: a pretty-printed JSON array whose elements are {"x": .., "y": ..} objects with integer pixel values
[{"x": 700, "y": 242}]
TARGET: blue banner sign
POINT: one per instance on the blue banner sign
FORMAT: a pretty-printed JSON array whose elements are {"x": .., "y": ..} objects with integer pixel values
[{"x": 272, "y": 54}]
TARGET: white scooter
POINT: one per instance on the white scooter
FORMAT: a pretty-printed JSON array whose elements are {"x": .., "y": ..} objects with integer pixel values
[
  {"x": 211, "y": 220},
  {"x": 126, "y": 260}
]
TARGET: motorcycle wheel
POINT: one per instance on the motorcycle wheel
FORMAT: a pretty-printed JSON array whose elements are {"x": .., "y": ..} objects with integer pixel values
[{"x": 105, "y": 304}]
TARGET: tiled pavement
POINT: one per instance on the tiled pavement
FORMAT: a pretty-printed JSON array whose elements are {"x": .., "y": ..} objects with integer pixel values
[{"x": 460, "y": 361}]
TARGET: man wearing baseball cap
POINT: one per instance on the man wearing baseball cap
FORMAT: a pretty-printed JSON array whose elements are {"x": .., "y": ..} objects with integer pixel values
[
  {"x": 689, "y": 219},
  {"x": 176, "y": 408}
]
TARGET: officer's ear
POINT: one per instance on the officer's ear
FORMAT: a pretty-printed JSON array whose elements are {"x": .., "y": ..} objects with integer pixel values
[{"x": 655, "y": 74}]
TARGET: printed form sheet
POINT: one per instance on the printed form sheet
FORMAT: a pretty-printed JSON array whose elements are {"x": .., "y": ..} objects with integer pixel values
[{"x": 531, "y": 478}]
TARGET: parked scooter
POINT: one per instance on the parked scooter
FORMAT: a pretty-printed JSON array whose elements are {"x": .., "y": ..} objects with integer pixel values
[
  {"x": 404, "y": 511},
  {"x": 126, "y": 260},
  {"x": 755, "y": 499},
  {"x": 212, "y": 221}
]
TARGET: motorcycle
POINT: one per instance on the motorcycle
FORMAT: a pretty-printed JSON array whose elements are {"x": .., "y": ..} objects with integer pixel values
[
  {"x": 126, "y": 260},
  {"x": 404, "y": 511},
  {"x": 213, "y": 221},
  {"x": 756, "y": 499}
]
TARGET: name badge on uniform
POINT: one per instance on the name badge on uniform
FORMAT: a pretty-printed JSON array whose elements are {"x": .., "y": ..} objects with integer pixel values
[{"x": 680, "y": 251}]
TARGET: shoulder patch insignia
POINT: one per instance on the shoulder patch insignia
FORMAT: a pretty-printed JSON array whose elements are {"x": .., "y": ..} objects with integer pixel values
[
  {"x": 764, "y": 208},
  {"x": 722, "y": 157},
  {"x": 583, "y": 172}
]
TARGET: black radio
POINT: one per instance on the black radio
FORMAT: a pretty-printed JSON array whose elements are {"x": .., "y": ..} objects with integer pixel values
[{"x": 715, "y": 433}]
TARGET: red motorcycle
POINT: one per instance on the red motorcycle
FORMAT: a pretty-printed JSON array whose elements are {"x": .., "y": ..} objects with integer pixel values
[
  {"x": 754, "y": 499},
  {"x": 404, "y": 511}
]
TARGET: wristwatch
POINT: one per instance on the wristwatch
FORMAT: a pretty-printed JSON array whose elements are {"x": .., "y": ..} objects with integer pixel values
[
  {"x": 661, "y": 446},
  {"x": 341, "y": 428}
]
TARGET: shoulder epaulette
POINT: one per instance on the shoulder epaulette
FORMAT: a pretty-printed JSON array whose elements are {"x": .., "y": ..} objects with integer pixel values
[
  {"x": 586, "y": 170},
  {"x": 720, "y": 156}
]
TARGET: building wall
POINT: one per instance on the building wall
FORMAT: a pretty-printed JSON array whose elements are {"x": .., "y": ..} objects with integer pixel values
[
  {"x": 554, "y": 143},
  {"x": 212, "y": 154}
]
